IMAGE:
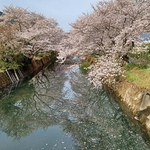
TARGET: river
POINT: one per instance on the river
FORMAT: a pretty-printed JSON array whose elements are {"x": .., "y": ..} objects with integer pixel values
[{"x": 60, "y": 110}]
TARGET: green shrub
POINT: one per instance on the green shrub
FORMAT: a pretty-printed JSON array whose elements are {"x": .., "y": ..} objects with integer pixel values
[
  {"x": 18, "y": 58},
  {"x": 41, "y": 55},
  {"x": 148, "y": 46},
  {"x": 139, "y": 60},
  {"x": 131, "y": 66},
  {"x": 88, "y": 61},
  {"x": 145, "y": 55},
  {"x": 84, "y": 67},
  {"x": 11, "y": 60}
]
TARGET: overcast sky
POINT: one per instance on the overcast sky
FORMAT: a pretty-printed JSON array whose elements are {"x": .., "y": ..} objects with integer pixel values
[{"x": 64, "y": 11}]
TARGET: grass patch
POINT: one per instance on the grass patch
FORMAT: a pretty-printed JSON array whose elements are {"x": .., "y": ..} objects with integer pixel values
[
  {"x": 41, "y": 55},
  {"x": 140, "y": 77}
]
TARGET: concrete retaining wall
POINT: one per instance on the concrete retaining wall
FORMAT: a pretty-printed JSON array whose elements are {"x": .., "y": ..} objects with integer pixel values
[
  {"x": 10, "y": 76},
  {"x": 134, "y": 100}
]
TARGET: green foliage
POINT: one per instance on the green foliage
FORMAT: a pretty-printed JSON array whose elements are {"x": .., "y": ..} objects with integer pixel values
[
  {"x": 41, "y": 55},
  {"x": 11, "y": 60},
  {"x": 140, "y": 55},
  {"x": 139, "y": 60},
  {"x": 2, "y": 65},
  {"x": 88, "y": 61},
  {"x": 84, "y": 67},
  {"x": 148, "y": 46},
  {"x": 11, "y": 65},
  {"x": 18, "y": 57},
  {"x": 130, "y": 66}
]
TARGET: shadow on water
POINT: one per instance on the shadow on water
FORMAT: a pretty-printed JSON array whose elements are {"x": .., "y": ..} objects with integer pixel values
[{"x": 61, "y": 110}]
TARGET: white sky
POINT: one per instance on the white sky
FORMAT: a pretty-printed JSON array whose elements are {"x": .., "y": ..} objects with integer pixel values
[{"x": 64, "y": 11}]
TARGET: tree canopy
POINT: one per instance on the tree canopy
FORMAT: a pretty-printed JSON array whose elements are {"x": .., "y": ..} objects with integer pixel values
[
  {"x": 28, "y": 32},
  {"x": 110, "y": 32}
]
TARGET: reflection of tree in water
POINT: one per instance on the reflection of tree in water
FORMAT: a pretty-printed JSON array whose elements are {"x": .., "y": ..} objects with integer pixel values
[
  {"x": 29, "y": 107},
  {"x": 96, "y": 121},
  {"x": 88, "y": 114}
]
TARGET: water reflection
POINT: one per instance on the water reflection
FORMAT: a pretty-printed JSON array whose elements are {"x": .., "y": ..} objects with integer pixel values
[{"x": 64, "y": 111}]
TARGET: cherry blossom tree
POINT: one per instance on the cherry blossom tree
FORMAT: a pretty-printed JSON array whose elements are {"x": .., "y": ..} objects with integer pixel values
[
  {"x": 110, "y": 32},
  {"x": 33, "y": 32},
  {"x": 6, "y": 43}
]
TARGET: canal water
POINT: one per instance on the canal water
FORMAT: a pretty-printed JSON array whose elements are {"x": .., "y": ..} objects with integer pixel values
[{"x": 60, "y": 110}]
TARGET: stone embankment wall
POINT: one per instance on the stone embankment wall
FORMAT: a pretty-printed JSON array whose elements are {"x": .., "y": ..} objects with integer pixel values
[
  {"x": 134, "y": 100},
  {"x": 28, "y": 70}
]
